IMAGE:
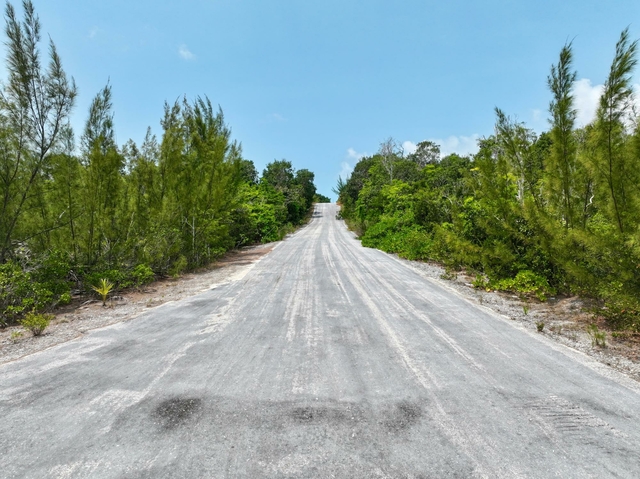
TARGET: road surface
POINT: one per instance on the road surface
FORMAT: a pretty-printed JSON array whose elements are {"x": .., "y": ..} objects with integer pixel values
[{"x": 327, "y": 360}]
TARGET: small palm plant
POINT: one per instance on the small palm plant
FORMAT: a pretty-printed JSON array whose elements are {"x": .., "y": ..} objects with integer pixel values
[{"x": 103, "y": 289}]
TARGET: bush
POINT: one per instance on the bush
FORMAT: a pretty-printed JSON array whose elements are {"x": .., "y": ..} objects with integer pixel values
[
  {"x": 65, "y": 298},
  {"x": 36, "y": 323},
  {"x": 142, "y": 274},
  {"x": 621, "y": 312},
  {"x": 526, "y": 282},
  {"x": 121, "y": 278},
  {"x": 21, "y": 292}
]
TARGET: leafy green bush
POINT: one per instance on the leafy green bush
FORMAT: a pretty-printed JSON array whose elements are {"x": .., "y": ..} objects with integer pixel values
[
  {"x": 178, "y": 266},
  {"x": 122, "y": 278},
  {"x": 622, "y": 312},
  {"x": 20, "y": 293},
  {"x": 65, "y": 298},
  {"x": 526, "y": 282},
  {"x": 481, "y": 282},
  {"x": 142, "y": 274},
  {"x": 118, "y": 277},
  {"x": 36, "y": 323}
]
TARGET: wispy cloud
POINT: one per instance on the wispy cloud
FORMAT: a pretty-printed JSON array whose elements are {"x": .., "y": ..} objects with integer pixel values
[
  {"x": 345, "y": 170},
  {"x": 462, "y": 145},
  {"x": 351, "y": 158},
  {"x": 93, "y": 33},
  {"x": 586, "y": 97},
  {"x": 409, "y": 147},
  {"x": 354, "y": 155},
  {"x": 185, "y": 53},
  {"x": 278, "y": 117}
]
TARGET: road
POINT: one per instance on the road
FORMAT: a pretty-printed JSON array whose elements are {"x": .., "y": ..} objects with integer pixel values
[{"x": 327, "y": 359}]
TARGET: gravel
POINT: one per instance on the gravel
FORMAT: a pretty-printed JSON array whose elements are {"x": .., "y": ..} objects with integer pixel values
[
  {"x": 565, "y": 319},
  {"x": 87, "y": 313}
]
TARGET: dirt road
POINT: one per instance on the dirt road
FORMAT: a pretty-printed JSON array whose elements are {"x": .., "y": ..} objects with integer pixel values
[{"x": 325, "y": 360}]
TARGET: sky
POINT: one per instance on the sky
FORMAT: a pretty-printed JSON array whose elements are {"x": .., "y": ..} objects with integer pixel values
[{"x": 323, "y": 83}]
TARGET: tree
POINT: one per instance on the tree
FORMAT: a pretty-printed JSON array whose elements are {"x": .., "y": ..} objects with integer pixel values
[
  {"x": 616, "y": 171},
  {"x": 304, "y": 178},
  {"x": 561, "y": 165},
  {"x": 515, "y": 143},
  {"x": 389, "y": 151},
  {"x": 427, "y": 153},
  {"x": 103, "y": 181},
  {"x": 34, "y": 105}
]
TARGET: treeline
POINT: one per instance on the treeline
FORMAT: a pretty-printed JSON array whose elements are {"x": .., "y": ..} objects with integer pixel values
[
  {"x": 538, "y": 214},
  {"x": 73, "y": 214}
]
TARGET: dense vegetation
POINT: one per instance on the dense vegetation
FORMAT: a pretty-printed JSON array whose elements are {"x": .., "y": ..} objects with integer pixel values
[
  {"x": 70, "y": 216},
  {"x": 538, "y": 214}
]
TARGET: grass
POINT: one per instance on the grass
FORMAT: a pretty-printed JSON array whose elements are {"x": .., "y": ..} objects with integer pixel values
[{"x": 598, "y": 338}]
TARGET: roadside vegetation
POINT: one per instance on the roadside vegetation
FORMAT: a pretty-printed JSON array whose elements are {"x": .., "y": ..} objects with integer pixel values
[
  {"x": 87, "y": 214},
  {"x": 533, "y": 214}
]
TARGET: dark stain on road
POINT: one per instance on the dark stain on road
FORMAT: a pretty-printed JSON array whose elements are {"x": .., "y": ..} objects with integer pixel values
[
  {"x": 345, "y": 414},
  {"x": 176, "y": 411},
  {"x": 402, "y": 416}
]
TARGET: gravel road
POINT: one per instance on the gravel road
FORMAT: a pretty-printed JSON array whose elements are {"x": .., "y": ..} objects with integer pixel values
[{"x": 326, "y": 359}]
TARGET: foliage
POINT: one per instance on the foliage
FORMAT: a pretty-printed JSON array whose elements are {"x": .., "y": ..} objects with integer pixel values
[
  {"x": 36, "y": 323},
  {"x": 103, "y": 288},
  {"x": 318, "y": 198},
  {"x": 598, "y": 338},
  {"x": 21, "y": 293},
  {"x": 525, "y": 282},
  {"x": 79, "y": 212},
  {"x": 530, "y": 213}
]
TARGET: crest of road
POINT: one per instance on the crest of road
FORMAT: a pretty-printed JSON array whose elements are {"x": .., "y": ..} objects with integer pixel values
[{"x": 326, "y": 359}]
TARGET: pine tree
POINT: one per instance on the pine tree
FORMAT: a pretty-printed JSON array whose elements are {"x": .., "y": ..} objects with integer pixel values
[
  {"x": 561, "y": 163},
  {"x": 616, "y": 172},
  {"x": 34, "y": 104}
]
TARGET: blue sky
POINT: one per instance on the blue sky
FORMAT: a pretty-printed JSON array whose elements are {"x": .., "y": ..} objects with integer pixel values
[{"x": 321, "y": 83}]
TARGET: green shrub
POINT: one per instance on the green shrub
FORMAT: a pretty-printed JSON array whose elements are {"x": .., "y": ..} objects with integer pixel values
[
  {"x": 65, "y": 298},
  {"x": 21, "y": 292},
  {"x": 178, "y": 266},
  {"x": 142, "y": 274},
  {"x": 621, "y": 314},
  {"x": 598, "y": 338},
  {"x": 119, "y": 278},
  {"x": 36, "y": 323},
  {"x": 481, "y": 282},
  {"x": 526, "y": 282}
]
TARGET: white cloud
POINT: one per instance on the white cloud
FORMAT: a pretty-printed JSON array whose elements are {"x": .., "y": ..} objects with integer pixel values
[
  {"x": 278, "y": 117},
  {"x": 185, "y": 53},
  {"x": 409, "y": 147},
  {"x": 354, "y": 155},
  {"x": 346, "y": 170},
  {"x": 462, "y": 145},
  {"x": 586, "y": 97},
  {"x": 93, "y": 33}
]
